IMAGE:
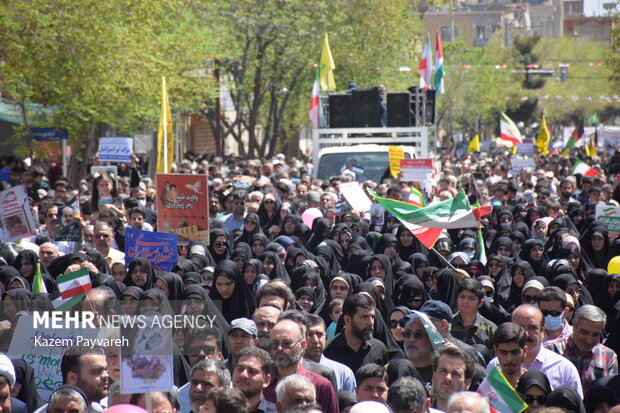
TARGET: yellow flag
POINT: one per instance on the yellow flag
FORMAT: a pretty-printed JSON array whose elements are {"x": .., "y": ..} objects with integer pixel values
[
  {"x": 543, "y": 138},
  {"x": 474, "y": 144},
  {"x": 591, "y": 147},
  {"x": 165, "y": 139},
  {"x": 326, "y": 69},
  {"x": 514, "y": 149},
  {"x": 587, "y": 149},
  {"x": 396, "y": 154}
]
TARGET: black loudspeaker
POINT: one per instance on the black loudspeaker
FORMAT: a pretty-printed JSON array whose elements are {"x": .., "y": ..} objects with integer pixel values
[
  {"x": 430, "y": 107},
  {"x": 340, "y": 111},
  {"x": 366, "y": 108},
  {"x": 398, "y": 110}
]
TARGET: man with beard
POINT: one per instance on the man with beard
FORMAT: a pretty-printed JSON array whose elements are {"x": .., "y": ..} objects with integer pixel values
[
  {"x": 207, "y": 374},
  {"x": 419, "y": 349},
  {"x": 265, "y": 318},
  {"x": 251, "y": 375},
  {"x": 288, "y": 343},
  {"x": 452, "y": 372},
  {"x": 509, "y": 345},
  {"x": 354, "y": 346},
  {"x": 86, "y": 369},
  {"x": 559, "y": 371}
]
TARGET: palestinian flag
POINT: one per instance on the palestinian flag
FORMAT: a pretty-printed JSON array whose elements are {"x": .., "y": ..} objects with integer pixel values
[
  {"x": 584, "y": 169},
  {"x": 501, "y": 395},
  {"x": 416, "y": 198},
  {"x": 510, "y": 132},
  {"x": 574, "y": 138},
  {"x": 74, "y": 283},
  {"x": 38, "y": 286}
]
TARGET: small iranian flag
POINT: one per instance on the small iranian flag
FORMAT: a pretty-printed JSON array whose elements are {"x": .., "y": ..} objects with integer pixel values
[
  {"x": 425, "y": 69},
  {"x": 314, "y": 102},
  {"x": 38, "y": 285},
  {"x": 584, "y": 169},
  {"x": 74, "y": 283},
  {"x": 502, "y": 396},
  {"x": 509, "y": 130},
  {"x": 416, "y": 198}
]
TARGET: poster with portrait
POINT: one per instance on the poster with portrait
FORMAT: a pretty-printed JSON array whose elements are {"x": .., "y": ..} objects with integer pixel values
[
  {"x": 68, "y": 226},
  {"x": 377, "y": 214},
  {"x": 15, "y": 215},
  {"x": 183, "y": 206}
]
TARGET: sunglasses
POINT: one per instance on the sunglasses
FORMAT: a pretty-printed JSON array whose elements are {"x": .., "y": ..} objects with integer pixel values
[
  {"x": 555, "y": 313},
  {"x": 251, "y": 222},
  {"x": 269, "y": 202},
  {"x": 395, "y": 323},
  {"x": 530, "y": 299},
  {"x": 529, "y": 399},
  {"x": 418, "y": 335},
  {"x": 221, "y": 244},
  {"x": 206, "y": 350},
  {"x": 494, "y": 265}
]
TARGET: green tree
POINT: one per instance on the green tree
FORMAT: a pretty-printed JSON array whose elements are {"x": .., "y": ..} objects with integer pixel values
[{"x": 101, "y": 63}]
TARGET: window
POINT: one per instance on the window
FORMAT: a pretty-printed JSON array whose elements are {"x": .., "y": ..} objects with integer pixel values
[{"x": 480, "y": 32}]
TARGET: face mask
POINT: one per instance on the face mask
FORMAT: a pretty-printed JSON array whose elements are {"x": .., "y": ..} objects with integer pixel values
[
  {"x": 142, "y": 202},
  {"x": 488, "y": 244},
  {"x": 488, "y": 299},
  {"x": 470, "y": 255},
  {"x": 553, "y": 323}
]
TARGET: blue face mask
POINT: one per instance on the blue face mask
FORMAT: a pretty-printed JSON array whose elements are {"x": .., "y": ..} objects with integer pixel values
[
  {"x": 553, "y": 323},
  {"x": 488, "y": 299}
]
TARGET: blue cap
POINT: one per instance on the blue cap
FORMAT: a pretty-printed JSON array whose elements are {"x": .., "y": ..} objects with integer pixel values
[{"x": 437, "y": 309}]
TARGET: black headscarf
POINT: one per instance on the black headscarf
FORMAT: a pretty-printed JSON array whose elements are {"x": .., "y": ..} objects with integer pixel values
[
  {"x": 21, "y": 300},
  {"x": 447, "y": 287},
  {"x": 408, "y": 288},
  {"x": 242, "y": 302},
  {"x": 24, "y": 374},
  {"x": 213, "y": 235},
  {"x": 401, "y": 368},
  {"x": 567, "y": 399},
  {"x": 200, "y": 255},
  {"x": 175, "y": 285},
  {"x": 319, "y": 290},
  {"x": 416, "y": 246},
  {"x": 320, "y": 227},
  {"x": 526, "y": 249},
  {"x": 278, "y": 272},
  {"x": 246, "y": 236},
  {"x": 192, "y": 277},
  {"x": 210, "y": 309},
  {"x": 533, "y": 378},
  {"x": 160, "y": 300},
  {"x": 310, "y": 293},
  {"x": 147, "y": 267},
  {"x": 32, "y": 258},
  {"x": 331, "y": 258},
  {"x": 598, "y": 259},
  {"x": 388, "y": 281}
]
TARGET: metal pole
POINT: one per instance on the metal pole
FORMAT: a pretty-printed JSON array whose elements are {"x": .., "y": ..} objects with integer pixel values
[
  {"x": 165, "y": 118},
  {"x": 441, "y": 257},
  {"x": 219, "y": 142},
  {"x": 64, "y": 157}
]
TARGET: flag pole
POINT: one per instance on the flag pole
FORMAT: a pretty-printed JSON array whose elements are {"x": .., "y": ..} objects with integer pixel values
[
  {"x": 165, "y": 118},
  {"x": 441, "y": 257}
]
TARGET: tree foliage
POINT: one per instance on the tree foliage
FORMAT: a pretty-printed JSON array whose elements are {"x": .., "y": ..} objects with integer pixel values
[{"x": 102, "y": 62}]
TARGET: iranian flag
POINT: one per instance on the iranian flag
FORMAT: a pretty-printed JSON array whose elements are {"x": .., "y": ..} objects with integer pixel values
[
  {"x": 584, "y": 169},
  {"x": 74, "y": 283},
  {"x": 416, "y": 198},
  {"x": 439, "y": 67},
  {"x": 426, "y": 66},
  {"x": 426, "y": 223},
  {"x": 482, "y": 253},
  {"x": 509, "y": 130},
  {"x": 314, "y": 102},
  {"x": 501, "y": 395}
]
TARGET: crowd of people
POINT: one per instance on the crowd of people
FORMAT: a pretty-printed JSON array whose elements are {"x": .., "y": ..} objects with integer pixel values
[{"x": 324, "y": 316}]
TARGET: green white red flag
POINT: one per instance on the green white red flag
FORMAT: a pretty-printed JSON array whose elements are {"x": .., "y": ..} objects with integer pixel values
[
  {"x": 510, "y": 131},
  {"x": 426, "y": 223},
  {"x": 501, "y": 395},
  {"x": 416, "y": 198},
  {"x": 425, "y": 69},
  {"x": 74, "y": 283},
  {"x": 314, "y": 102},
  {"x": 584, "y": 169}
]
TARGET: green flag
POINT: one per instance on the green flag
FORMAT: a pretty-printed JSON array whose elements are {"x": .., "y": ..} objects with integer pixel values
[{"x": 38, "y": 285}]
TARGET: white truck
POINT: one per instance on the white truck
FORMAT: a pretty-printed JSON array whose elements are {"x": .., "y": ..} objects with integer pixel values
[{"x": 364, "y": 149}]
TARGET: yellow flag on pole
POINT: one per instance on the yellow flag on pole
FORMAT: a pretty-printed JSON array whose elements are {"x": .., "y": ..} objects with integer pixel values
[
  {"x": 327, "y": 66},
  {"x": 165, "y": 138},
  {"x": 395, "y": 155},
  {"x": 543, "y": 138},
  {"x": 474, "y": 144}
]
